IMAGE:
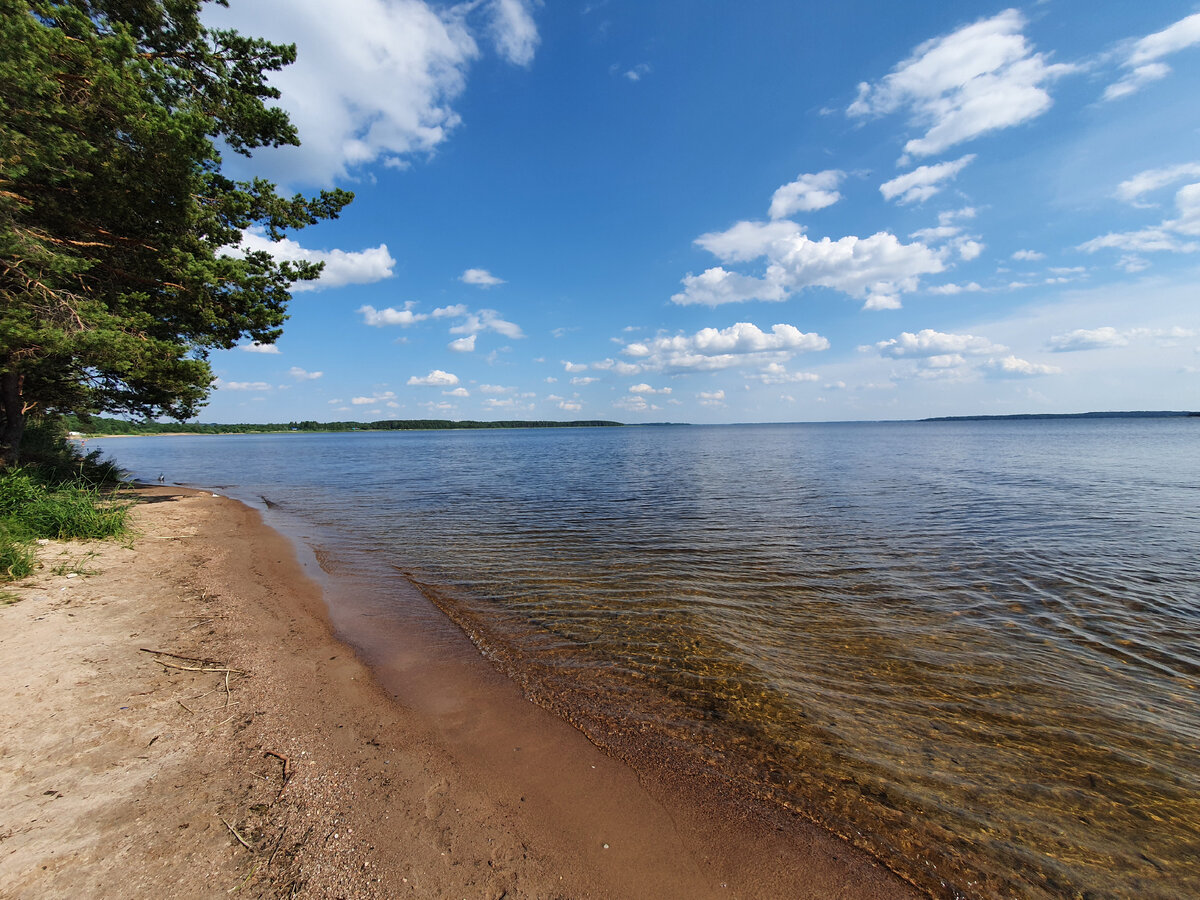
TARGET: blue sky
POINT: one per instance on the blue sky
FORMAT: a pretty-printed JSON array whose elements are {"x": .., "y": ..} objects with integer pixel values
[{"x": 728, "y": 212}]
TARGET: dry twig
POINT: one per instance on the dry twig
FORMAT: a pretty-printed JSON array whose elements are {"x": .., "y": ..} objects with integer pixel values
[{"x": 241, "y": 840}]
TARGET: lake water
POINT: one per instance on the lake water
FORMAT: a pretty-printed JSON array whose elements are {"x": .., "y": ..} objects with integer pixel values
[{"x": 972, "y": 648}]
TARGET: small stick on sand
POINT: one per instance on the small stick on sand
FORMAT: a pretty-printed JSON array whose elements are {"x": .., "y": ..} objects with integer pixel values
[
  {"x": 287, "y": 770},
  {"x": 241, "y": 840}
]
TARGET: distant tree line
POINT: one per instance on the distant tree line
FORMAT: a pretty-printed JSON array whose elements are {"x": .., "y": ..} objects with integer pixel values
[{"x": 97, "y": 425}]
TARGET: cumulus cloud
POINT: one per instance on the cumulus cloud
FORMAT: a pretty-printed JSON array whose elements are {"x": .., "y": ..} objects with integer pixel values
[
  {"x": 341, "y": 267},
  {"x": 574, "y": 367},
  {"x": 570, "y": 405},
  {"x": 807, "y": 193},
  {"x": 303, "y": 375},
  {"x": 647, "y": 389},
  {"x": 740, "y": 344},
  {"x": 496, "y": 389},
  {"x": 711, "y": 398},
  {"x": 1143, "y": 63},
  {"x": 436, "y": 378},
  {"x": 777, "y": 373},
  {"x": 242, "y": 385},
  {"x": 260, "y": 348},
  {"x": 463, "y": 345},
  {"x": 1164, "y": 237},
  {"x": 380, "y": 318},
  {"x": 981, "y": 78},
  {"x": 1108, "y": 337},
  {"x": 480, "y": 277},
  {"x": 1088, "y": 339},
  {"x": 1133, "y": 189},
  {"x": 1013, "y": 367},
  {"x": 457, "y": 392},
  {"x": 876, "y": 269},
  {"x": 388, "y": 397},
  {"x": 486, "y": 320},
  {"x": 617, "y": 366},
  {"x": 422, "y": 52},
  {"x": 923, "y": 182},
  {"x": 1028, "y": 255},
  {"x": 450, "y": 312},
  {"x": 971, "y": 287},
  {"x": 930, "y": 343}
]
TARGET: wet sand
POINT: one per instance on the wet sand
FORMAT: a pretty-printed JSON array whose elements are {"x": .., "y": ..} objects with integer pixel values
[{"x": 264, "y": 757}]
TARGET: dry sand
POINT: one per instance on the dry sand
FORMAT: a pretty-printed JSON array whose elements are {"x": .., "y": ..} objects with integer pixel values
[{"x": 286, "y": 767}]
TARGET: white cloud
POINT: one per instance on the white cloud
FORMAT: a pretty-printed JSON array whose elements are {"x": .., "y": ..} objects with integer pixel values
[
  {"x": 1159, "y": 238},
  {"x": 450, "y": 312},
  {"x": 876, "y": 269},
  {"x": 260, "y": 348},
  {"x": 740, "y": 344},
  {"x": 583, "y": 379},
  {"x": 379, "y": 318},
  {"x": 574, "y": 367},
  {"x": 436, "y": 378},
  {"x": 463, "y": 345},
  {"x": 930, "y": 343},
  {"x": 341, "y": 267},
  {"x": 968, "y": 249},
  {"x": 647, "y": 389},
  {"x": 302, "y": 375},
  {"x": 1088, "y": 339},
  {"x": 1108, "y": 337},
  {"x": 777, "y": 373},
  {"x": 951, "y": 289},
  {"x": 487, "y": 320},
  {"x": 809, "y": 192},
  {"x": 1147, "y": 240},
  {"x": 495, "y": 389},
  {"x": 513, "y": 30},
  {"x": 923, "y": 182},
  {"x": 457, "y": 392},
  {"x": 480, "y": 277},
  {"x": 633, "y": 403},
  {"x": 1132, "y": 189},
  {"x": 711, "y": 398},
  {"x": 570, "y": 405},
  {"x": 374, "y": 399},
  {"x": 617, "y": 366},
  {"x": 981, "y": 78},
  {"x": 243, "y": 385},
  {"x": 1187, "y": 201},
  {"x": 1013, "y": 367},
  {"x": 1028, "y": 255},
  {"x": 418, "y": 52},
  {"x": 1143, "y": 61}
]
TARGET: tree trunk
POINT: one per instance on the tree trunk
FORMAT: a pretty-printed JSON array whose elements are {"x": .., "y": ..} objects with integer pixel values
[{"x": 12, "y": 405}]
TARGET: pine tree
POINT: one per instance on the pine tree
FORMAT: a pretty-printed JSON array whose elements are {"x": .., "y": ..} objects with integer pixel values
[{"x": 115, "y": 217}]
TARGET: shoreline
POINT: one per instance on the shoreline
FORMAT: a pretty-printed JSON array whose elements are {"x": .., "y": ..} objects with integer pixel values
[{"x": 426, "y": 774}]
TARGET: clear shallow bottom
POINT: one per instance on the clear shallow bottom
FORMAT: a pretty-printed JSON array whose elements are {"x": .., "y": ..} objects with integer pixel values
[{"x": 972, "y": 648}]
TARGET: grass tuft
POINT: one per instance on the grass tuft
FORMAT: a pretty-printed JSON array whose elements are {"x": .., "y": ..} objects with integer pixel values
[{"x": 63, "y": 495}]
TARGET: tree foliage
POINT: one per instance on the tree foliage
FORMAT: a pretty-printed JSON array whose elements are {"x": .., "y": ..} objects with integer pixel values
[{"x": 115, "y": 216}]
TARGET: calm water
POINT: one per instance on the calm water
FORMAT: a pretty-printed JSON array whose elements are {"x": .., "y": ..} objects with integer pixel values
[{"x": 971, "y": 648}]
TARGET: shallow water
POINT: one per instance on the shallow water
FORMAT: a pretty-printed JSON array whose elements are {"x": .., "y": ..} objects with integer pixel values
[{"x": 971, "y": 648}]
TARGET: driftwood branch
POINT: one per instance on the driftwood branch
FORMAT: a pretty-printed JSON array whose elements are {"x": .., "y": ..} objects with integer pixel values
[{"x": 206, "y": 665}]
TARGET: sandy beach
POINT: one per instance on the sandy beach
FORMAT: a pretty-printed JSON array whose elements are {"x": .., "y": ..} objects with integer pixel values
[{"x": 183, "y": 721}]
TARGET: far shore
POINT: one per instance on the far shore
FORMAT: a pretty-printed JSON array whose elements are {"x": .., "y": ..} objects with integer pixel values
[{"x": 184, "y": 722}]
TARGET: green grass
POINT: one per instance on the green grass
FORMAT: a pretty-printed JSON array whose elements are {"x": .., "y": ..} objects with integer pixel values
[{"x": 61, "y": 495}]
